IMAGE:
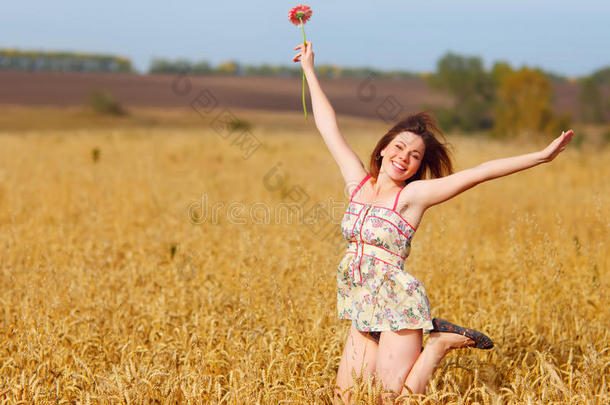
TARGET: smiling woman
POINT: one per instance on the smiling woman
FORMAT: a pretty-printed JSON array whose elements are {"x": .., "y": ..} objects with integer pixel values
[{"x": 389, "y": 310}]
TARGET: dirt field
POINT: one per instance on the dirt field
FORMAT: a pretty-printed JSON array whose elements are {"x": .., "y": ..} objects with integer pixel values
[{"x": 371, "y": 98}]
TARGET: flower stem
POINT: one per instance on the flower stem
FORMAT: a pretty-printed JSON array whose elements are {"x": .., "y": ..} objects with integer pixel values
[{"x": 304, "y": 45}]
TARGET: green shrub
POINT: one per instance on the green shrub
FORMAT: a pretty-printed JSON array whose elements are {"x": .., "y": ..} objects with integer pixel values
[
  {"x": 102, "y": 102},
  {"x": 239, "y": 124}
]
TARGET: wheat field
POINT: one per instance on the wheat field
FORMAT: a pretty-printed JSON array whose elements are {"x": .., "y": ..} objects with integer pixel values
[{"x": 151, "y": 265}]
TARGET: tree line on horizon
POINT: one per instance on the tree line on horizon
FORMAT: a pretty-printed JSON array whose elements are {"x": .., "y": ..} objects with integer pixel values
[
  {"x": 234, "y": 68},
  {"x": 41, "y": 61}
]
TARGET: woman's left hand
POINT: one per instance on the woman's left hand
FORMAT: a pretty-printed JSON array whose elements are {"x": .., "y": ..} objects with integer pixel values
[
  {"x": 305, "y": 56},
  {"x": 557, "y": 146}
]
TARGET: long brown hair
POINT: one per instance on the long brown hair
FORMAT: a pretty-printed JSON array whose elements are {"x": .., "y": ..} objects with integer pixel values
[{"x": 436, "y": 161}]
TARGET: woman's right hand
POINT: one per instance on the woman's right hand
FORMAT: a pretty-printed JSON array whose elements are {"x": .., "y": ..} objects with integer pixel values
[{"x": 305, "y": 56}]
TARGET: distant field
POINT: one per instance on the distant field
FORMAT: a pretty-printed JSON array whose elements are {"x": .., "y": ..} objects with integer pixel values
[
  {"x": 356, "y": 97},
  {"x": 116, "y": 288}
]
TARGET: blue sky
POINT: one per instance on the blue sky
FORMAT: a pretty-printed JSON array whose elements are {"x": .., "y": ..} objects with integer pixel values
[{"x": 570, "y": 38}]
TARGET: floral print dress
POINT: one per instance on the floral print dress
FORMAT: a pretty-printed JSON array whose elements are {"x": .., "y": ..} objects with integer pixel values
[{"x": 373, "y": 290}]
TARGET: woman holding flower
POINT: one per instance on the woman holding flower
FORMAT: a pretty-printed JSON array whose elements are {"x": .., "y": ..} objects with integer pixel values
[{"x": 410, "y": 170}]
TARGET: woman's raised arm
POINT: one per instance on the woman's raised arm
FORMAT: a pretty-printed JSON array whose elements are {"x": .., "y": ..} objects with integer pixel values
[
  {"x": 427, "y": 193},
  {"x": 349, "y": 163}
]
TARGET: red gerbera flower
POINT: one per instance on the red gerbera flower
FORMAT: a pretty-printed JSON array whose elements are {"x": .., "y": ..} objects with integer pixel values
[{"x": 299, "y": 14}]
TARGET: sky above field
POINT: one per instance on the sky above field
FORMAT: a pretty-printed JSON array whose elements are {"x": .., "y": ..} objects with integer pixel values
[{"x": 569, "y": 38}]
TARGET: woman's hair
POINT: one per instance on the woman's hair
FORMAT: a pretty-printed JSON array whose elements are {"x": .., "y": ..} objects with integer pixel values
[{"x": 436, "y": 161}]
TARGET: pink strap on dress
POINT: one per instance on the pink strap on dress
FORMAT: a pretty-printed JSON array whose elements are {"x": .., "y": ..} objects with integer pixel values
[
  {"x": 396, "y": 201},
  {"x": 359, "y": 185}
]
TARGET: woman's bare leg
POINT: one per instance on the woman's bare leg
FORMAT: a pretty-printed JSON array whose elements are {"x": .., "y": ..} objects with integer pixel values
[
  {"x": 396, "y": 355},
  {"x": 438, "y": 345},
  {"x": 359, "y": 354}
]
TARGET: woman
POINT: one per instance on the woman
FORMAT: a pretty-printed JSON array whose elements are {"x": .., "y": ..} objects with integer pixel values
[{"x": 388, "y": 307}]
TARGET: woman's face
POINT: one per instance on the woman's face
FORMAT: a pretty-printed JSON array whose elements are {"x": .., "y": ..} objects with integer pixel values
[{"x": 402, "y": 156}]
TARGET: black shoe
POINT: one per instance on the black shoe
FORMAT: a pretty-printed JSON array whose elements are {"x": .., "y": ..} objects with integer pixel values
[{"x": 481, "y": 341}]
